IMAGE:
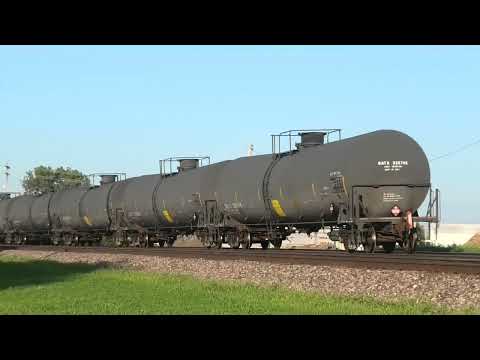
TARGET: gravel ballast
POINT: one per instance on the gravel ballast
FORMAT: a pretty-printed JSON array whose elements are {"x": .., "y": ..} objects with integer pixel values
[{"x": 455, "y": 291}]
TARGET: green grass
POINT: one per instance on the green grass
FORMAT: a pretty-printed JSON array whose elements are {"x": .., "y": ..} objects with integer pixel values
[
  {"x": 450, "y": 248},
  {"x": 45, "y": 287}
]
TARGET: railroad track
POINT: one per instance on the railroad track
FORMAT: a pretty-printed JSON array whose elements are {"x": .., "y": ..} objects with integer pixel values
[{"x": 426, "y": 261}]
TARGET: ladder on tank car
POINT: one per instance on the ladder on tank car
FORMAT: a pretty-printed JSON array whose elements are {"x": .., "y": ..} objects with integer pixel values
[{"x": 270, "y": 218}]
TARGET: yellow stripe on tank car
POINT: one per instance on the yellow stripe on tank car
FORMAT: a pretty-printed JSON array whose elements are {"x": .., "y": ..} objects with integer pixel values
[
  {"x": 278, "y": 208},
  {"x": 87, "y": 220},
  {"x": 167, "y": 216}
]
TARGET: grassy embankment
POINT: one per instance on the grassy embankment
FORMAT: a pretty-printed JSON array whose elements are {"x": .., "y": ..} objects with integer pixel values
[
  {"x": 44, "y": 287},
  {"x": 450, "y": 248}
]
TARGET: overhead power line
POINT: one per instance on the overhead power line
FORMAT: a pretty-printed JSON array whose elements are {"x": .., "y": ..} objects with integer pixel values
[{"x": 463, "y": 148}]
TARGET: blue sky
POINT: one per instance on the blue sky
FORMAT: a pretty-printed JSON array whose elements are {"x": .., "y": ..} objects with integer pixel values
[{"x": 121, "y": 108}]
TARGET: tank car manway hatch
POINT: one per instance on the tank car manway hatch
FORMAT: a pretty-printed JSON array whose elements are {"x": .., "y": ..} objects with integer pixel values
[
  {"x": 184, "y": 163},
  {"x": 106, "y": 178},
  {"x": 308, "y": 138}
]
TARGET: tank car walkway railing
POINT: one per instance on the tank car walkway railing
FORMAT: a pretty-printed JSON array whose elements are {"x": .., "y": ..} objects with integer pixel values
[
  {"x": 292, "y": 134},
  {"x": 433, "y": 209}
]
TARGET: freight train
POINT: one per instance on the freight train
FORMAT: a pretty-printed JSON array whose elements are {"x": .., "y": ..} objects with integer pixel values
[{"x": 366, "y": 190}]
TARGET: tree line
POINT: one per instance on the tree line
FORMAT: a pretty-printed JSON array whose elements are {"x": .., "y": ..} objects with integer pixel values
[{"x": 44, "y": 179}]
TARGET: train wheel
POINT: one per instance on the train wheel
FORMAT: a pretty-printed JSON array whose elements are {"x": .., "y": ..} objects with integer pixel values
[
  {"x": 350, "y": 244},
  {"x": 245, "y": 240},
  {"x": 277, "y": 243},
  {"x": 205, "y": 240},
  {"x": 369, "y": 248},
  {"x": 217, "y": 241},
  {"x": 75, "y": 241},
  {"x": 119, "y": 239},
  {"x": 265, "y": 244},
  {"x": 371, "y": 241},
  {"x": 247, "y": 244},
  {"x": 349, "y": 248},
  {"x": 412, "y": 241},
  {"x": 161, "y": 243},
  {"x": 233, "y": 241},
  {"x": 57, "y": 239},
  {"x": 388, "y": 247},
  {"x": 67, "y": 240}
]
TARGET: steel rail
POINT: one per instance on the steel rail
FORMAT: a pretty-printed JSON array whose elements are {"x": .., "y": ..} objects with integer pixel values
[{"x": 439, "y": 262}]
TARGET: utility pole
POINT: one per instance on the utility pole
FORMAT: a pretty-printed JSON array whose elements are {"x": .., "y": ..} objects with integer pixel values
[{"x": 7, "y": 174}]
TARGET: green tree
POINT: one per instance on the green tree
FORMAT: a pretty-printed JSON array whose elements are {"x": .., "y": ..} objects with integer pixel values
[{"x": 44, "y": 179}]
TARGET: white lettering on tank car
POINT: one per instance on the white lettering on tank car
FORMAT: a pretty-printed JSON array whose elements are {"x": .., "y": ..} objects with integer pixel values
[
  {"x": 395, "y": 165},
  {"x": 391, "y": 197},
  {"x": 231, "y": 209}
]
